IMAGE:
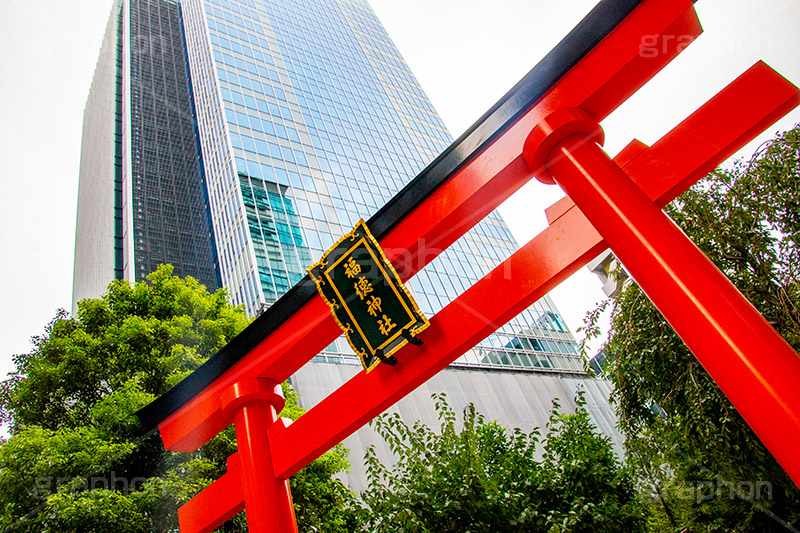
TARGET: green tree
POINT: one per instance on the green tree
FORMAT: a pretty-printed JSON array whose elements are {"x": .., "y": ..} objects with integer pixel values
[
  {"x": 705, "y": 467},
  {"x": 485, "y": 478},
  {"x": 76, "y": 459}
]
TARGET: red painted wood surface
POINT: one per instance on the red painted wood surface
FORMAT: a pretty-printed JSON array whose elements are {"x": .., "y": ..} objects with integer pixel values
[
  {"x": 535, "y": 269},
  {"x": 660, "y": 172},
  {"x": 753, "y": 365},
  {"x": 613, "y": 71},
  {"x": 622, "y": 199}
]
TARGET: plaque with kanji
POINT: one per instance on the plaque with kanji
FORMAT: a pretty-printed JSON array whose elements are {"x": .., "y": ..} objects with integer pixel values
[{"x": 366, "y": 296}]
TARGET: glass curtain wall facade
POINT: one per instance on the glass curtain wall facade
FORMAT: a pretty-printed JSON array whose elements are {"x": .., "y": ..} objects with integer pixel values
[
  {"x": 309, "y": 119},
  {"x": 169, "y": 215},
  {"x": 141, "y": 199},
  {"x": 238, "y": 139}
]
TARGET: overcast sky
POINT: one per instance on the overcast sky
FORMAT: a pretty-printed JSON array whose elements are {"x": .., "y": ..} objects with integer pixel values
[{"x": 466, "y": 54}]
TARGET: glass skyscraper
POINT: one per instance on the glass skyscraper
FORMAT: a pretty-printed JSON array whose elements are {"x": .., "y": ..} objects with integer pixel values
[
  {"x": 141, "y": 196},
  {"x": 238, "y": 139}
]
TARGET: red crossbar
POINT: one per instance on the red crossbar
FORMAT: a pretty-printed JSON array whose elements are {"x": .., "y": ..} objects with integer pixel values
[
  {"x": 705, "y": 139},
  {"x": 538, "y": 267},
  {"x": 599, "y": 84},
  {"x": 216, "y": 504}
]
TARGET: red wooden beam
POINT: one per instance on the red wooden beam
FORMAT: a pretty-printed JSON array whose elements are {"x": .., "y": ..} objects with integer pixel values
[
  {"x": 752, "y": 364},
  {"x": 216, "y": 504},
  {"x": 539, "y": 266},
  {"x": 759, "y": 97},
  {"x": 605, "y": 78},
  {"x": 224, "y": 498}
]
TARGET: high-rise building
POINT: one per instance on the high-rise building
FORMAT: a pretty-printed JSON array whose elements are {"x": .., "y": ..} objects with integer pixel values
[
  {"x": 141, "y": 199},
  {"x": 238, "y": 139}
]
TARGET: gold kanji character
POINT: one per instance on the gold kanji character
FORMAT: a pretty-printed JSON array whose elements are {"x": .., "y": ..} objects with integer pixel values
[
  {"x": 374, "y": 306},
  {"x": 363, "y": 287},
  {"x": 386, "y": 325},
  {"x": 351, "y": 268}
]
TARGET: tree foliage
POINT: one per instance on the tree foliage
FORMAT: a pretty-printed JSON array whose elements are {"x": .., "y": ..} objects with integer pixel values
[
  {"x": 484, "y": 478},
  {"x": 705, "y": 466},
  {"x": 76, "y": 459}
]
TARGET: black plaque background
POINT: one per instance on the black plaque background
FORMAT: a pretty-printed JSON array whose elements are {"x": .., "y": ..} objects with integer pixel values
[{"x": 337, "y": 282}]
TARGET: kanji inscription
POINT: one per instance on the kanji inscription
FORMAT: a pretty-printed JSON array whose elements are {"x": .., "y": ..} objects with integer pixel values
[{"x": 369, "y": 301}]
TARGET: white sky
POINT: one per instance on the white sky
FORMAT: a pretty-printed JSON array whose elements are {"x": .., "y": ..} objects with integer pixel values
[{"x": 466, "y": 54}]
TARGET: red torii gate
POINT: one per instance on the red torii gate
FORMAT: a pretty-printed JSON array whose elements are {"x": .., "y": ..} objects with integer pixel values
[{"x": 548, "y": 129}]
